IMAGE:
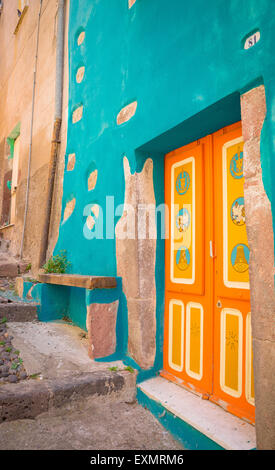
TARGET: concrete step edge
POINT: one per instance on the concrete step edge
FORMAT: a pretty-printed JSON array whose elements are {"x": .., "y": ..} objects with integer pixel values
[{"x": 29, "y": 398}]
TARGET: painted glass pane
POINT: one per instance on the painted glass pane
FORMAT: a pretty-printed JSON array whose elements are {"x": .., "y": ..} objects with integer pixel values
[{"x": 235, "y": 249}]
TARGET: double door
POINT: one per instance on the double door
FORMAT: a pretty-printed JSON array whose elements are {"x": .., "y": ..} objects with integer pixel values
[{"x": 207, "y": 333}]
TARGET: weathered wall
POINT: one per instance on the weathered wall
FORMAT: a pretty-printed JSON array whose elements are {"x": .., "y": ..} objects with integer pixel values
[
  {"x": 17, "y": 61},
  {"x": 183, "y": 72},
  {"x": 261, "y": 265}
]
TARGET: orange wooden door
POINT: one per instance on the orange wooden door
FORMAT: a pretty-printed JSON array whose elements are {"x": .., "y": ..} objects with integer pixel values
[
  {"x": 188, "y": 338},
  {"x": 207, "y": 332},
  {"x": 233, "y": 371}
]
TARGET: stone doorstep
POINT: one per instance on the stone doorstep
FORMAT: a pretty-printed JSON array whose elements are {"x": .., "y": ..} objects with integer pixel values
[
  {"x": 30, "y": 398},
  {"x": 212, "y": 421}
]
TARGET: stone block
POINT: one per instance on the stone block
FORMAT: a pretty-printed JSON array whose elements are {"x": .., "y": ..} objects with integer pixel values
[
  {"x": 142, "y": 331},
  {"x": 101, "y": 326},
  {"x": 8, "y": 269},
  {"x": 253, "y": 111}
]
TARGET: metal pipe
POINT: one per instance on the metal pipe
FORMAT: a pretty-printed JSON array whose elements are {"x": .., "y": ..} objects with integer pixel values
[
  {"x": 56, "y": 128},
  {"x": 31, "y": 133}
]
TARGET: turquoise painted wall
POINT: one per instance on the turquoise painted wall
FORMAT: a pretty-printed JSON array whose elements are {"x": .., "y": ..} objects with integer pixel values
[{"x": 185, "y": 65}]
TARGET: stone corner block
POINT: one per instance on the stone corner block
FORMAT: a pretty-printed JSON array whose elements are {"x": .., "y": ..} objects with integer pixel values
[{"x": 101, "y": 325}]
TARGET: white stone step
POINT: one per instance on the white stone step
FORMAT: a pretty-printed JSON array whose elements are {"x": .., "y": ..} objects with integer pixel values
[{"x": 225, "y": 429}]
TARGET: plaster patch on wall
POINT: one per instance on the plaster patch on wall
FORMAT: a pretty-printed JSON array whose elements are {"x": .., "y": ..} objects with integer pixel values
[
  {"x": 126, "y": 113},
  {"x": 71, "y": 162},
  {"x": 91, "y": 219},
  {"x": 92, "y": 180},
  {"x": 90, "y": 222},
  {"x": 80, "y": 74},
  {"x": 69, "y": 209},
  {"x": 81, "y": 38},
  {"x": 131, "y": 3},
  {"x": 77, "y": 114},
  {"x": 136, "y": 259},
  {"x": 29, "y": 293}
]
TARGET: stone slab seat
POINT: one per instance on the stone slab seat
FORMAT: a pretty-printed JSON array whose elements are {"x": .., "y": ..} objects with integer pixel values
[
  {"x": 101, "y": 317},
  {"x": 78, "y": 280}
]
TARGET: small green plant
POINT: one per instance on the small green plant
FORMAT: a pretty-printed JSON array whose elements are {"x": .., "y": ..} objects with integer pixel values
[
  {"x": 8, "y": 349},
  {"x": 130, "y": 369},
  {"x": 16, "y": 363},
  {"x": 17, "y": 352},
  {"x": 57, "y": 264},
  {"x": 2, "y": 343},
  {"x": 114, "y": 368},
  {"x": 28, "y": 268},
  {"x": 3, "y": 320}
]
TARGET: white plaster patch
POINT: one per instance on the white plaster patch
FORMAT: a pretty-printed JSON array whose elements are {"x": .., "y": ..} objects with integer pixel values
[
  {"x": 80, "y": 74},
  {"x": 81, "y": 38},
  {"x": 126, "y": 113},
  {"x": 71, "y": 162},
  {"x": 69, "y": 209},
  {"x": 92, "y": 180},
  {"x": 77, "y": 114}
]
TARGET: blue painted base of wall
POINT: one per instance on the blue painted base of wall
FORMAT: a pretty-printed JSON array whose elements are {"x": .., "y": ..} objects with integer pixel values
[{"x": 189, "y": 437}]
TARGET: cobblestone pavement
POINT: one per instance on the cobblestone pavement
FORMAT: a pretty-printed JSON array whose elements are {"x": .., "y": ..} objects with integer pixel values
[
  {"x": 111, "y": 426},
  {"x": 11, "y": 365}
]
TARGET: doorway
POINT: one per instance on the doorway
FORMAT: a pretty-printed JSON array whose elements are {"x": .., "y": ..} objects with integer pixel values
[{"x": 207, "y": 330}]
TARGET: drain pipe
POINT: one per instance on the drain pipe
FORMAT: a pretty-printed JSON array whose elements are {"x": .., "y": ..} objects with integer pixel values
[
  {"x": 56, "y": 128},
  {"x": 31, "y": 134}
]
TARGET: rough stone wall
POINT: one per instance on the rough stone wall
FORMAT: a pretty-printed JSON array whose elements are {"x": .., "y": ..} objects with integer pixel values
[
  {"x": 261, "y": 268},
  {"x": 136, "y": 254},
  {"x": 16, "y": 85}
]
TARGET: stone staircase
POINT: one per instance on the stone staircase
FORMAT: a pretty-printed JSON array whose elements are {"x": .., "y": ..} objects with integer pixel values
[
  {"x": 12, "y": 308},
  {"x": 10, "y": 266}
]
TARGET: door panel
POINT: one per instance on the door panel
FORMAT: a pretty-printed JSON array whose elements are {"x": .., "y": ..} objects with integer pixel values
[{"x": 188, "y": 292}]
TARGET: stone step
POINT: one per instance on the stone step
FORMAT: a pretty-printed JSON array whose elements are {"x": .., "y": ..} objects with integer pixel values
[
  {"x": 4, "y": 245},
  {"x": 28, "y": 399},
  {"x": 10, "y": 266},
  {"x": 17, "y": 311}
]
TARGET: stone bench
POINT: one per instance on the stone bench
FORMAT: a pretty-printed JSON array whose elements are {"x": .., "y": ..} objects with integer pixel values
[{"x": 59, "y": 293}]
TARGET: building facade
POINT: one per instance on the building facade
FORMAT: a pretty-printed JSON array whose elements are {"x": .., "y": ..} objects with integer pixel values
[
  {"x": 28, "y": 76},
  {"x": 167, "y": 194}
]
